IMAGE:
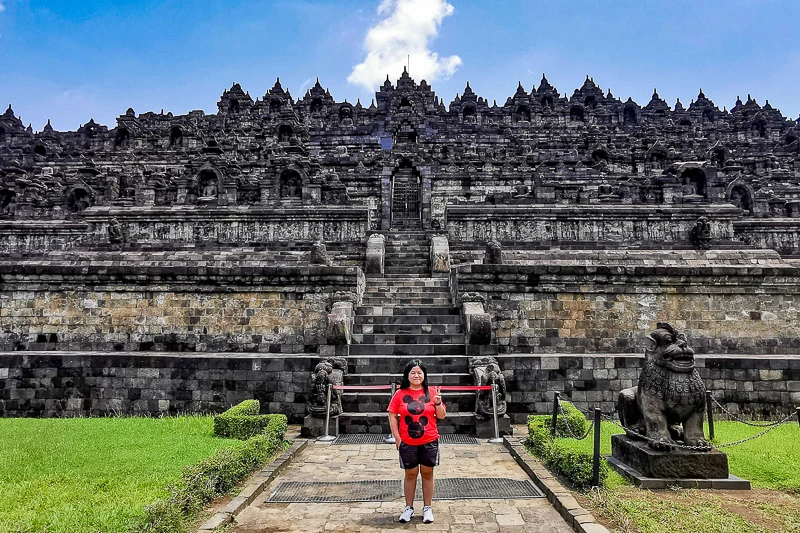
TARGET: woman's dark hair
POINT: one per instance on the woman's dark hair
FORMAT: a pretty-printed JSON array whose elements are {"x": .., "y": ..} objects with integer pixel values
[{"x": 406, "y": 383}]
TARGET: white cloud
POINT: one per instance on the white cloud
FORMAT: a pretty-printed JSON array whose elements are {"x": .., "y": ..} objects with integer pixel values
[
  {"x": 2, "y": 7},
  {"x": 406, "y": 29}
]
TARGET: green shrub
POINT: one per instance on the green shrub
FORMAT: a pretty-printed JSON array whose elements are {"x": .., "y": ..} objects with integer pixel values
[
  {"x": 212, "y": 477},
  {"x": 241, "y": 421},
  {"x": 573, "y": 465},
  {"x": 247, "y": 407},
  {"x": 574, "y": 419}
]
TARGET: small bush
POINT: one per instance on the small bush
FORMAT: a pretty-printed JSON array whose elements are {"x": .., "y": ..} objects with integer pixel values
[
  {"x": 212, "y": 477},
  {"x": 574, "y": 419},
  {"x": 241, "y": 421},
  {"x": 573, "y": 465}
]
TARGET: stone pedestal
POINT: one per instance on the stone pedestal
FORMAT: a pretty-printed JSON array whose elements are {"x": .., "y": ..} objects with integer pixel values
[
  {"x": 314, "y": 427},
  {"x": 484, "y": 427},
  {"x": 674, "y": 464}
]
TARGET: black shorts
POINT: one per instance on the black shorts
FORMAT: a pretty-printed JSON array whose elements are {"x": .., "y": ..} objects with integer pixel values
[{"x": 425, "y": 454}]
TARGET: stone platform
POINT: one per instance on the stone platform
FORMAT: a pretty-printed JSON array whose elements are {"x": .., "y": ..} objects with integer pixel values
[
  {"x": 654, "y": 469},
  {"x": 669, "y": 464}
]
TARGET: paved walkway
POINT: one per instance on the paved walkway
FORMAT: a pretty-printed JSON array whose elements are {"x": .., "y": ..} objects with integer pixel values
[{"x": 326, "y": 462}]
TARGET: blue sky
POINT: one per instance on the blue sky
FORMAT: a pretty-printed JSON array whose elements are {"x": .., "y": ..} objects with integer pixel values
[{"x": 72, "y": 60}]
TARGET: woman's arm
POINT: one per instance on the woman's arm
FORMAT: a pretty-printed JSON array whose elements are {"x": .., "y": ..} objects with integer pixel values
[
  {"x": 395, "y": 429},
  {"x": 438, "y": 406}
]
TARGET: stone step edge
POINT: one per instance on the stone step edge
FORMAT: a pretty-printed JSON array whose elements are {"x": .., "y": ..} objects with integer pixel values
[
  {"x": 578, "y": 518},
  {"x": 253, "y": 487}
]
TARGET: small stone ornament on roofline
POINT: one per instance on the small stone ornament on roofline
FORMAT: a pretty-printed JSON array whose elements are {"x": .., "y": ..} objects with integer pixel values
[{"x": 668, "y": 406}]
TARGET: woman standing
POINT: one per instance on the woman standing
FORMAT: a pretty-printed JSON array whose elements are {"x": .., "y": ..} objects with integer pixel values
[{"x": 413, "y": 412}]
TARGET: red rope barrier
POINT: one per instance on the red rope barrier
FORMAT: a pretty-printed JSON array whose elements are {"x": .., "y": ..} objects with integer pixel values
[
  {"x": 463, "y": 387},
  {"x": 440, "y": 387},
  {"x": 362, "y": 387}
]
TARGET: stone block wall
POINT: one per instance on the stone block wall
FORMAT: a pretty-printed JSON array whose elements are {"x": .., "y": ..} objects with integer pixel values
[
  {"x": 781, "y": 234},
  {"x": 97, "y": 384},
  {"x": 148, "y": 305},
  {"x": 580, "y": 308},
  {"x": 631, "y": 224},
  {"x": 761, "y": 386}
]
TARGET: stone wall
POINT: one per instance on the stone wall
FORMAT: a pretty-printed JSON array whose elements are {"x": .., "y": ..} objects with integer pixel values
[
  {"x": 35, "y": 236},
  {"x": 632, "y": 224},
  {"x": 233, "y": 224},
  {"x": 97, "y": 384},
  {"x": 119, "y": 303},
  {"x": 595, "y": 308},
  {"x": 762, "y": 386},
  {"x": 781, "y": 234}
]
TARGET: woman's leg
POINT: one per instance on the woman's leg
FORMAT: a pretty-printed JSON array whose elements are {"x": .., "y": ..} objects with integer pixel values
[
  {"x": 427, "y": 484},
  {"x": 410, "y": 485}
]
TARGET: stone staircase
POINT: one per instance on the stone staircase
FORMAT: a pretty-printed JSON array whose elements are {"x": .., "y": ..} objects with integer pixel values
[{"x": 406, "y": 315}]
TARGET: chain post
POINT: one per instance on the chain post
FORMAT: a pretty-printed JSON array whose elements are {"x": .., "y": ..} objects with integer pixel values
[
  {"x": 327, "y": 437},
  {"x": 496, "y": 438},
  {"x": 390, "y": 438},
  {"x": 710, "y": 410},
  {"x": 596, "y": 458},
  {"x": 555, "y": 415}
]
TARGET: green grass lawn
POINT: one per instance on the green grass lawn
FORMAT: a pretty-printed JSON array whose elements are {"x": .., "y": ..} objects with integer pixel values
[
  {"x": 770, "y": 462},
  {"x": 93, "y": 475}
]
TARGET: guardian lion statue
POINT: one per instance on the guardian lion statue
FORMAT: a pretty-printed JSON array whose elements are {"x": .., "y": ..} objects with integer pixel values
[{"x": 668, "y": 406}]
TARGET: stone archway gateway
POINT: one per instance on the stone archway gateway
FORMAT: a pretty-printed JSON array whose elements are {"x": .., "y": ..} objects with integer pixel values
[{"x": 406, "y": 209}]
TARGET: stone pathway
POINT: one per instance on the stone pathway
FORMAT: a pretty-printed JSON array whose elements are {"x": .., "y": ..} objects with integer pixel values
[{"x": 326, "y": 462}]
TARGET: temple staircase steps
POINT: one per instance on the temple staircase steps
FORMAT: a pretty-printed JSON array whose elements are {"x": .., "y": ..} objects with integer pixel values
[{"x": 406, "y": 315}]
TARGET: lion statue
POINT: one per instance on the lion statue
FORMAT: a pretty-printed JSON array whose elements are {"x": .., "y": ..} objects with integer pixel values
[
  {"x": 485, "y": 371},
  {"x": 329, "y": 371},
  {"x": 669, "y": 403}
]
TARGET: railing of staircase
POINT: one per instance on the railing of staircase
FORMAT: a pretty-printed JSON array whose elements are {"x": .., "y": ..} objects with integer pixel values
[{"x": 393, "y": 387}]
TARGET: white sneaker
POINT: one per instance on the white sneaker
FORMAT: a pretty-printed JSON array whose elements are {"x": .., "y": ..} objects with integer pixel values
[
  {"x": 406, "y": 515},
  {"x": 427, "y": 514}
]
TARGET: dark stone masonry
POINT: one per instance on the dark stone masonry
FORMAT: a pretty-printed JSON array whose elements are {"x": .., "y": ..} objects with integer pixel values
[{"x": 184, "y": 263}]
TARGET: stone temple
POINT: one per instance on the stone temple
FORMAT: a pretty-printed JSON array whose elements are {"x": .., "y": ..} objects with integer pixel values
[{"x": 185, "y": 263}]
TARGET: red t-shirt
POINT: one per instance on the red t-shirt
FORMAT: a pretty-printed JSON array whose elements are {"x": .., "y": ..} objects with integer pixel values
[{"x": 417, "y": 413}]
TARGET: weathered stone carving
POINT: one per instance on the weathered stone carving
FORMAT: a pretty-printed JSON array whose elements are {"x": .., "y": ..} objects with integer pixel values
[
  {"x": 668, "y": 406},
  {"x": 330, "y": 371},
  {"x": 115, "y": 233},
  {"x": 701, "y": 233},
  {"x": 477, "y": 322},
  {"x": 494, "y": 253},
  {"x": 485, "y": 371},
  {"x": 340, "y": 319},
  {"x": 440, "y": 254},
  {"x": 319, "y": 254},
  {"x": 376, "y": 250}
]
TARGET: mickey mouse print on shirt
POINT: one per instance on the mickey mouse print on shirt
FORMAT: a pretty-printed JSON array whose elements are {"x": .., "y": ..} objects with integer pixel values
[{"x": 417, "y": 416}]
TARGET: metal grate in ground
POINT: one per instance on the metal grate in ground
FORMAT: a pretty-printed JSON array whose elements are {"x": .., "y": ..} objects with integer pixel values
[
  {"x": 452, "y": 438},
  {"x": 372, "y": 438},
  {"x": 388, "y": 490}
]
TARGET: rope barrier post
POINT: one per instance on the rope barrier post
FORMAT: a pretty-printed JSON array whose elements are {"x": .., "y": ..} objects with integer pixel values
[
  {"x": 596, "y": 458},
  {"x": 496, "y": 438},
  {"x": 555, "y": 415},
  {"x": 327, "y": 437},
  {"x": 390, "y": 438},
  {"x": 710, "y": 415}
]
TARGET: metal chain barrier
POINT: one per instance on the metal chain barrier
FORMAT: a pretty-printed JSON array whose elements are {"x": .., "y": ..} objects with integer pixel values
[
  {"x": 745, "y": 422},
  {"x": 702, "y": 448},
  {"x": 569, "y": 428},
  {"x": 773, "y": 426},
  {"x": 649, "y": 439}
]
